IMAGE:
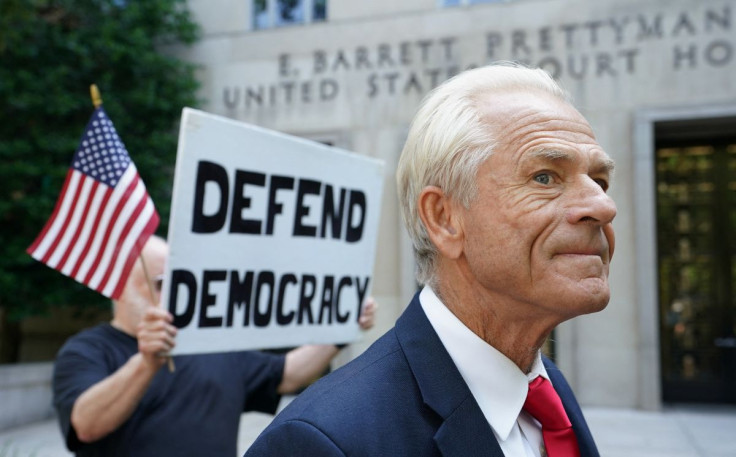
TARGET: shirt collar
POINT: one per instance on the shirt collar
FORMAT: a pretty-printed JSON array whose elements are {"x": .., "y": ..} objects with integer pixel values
[{"x": 497, "y": 384}]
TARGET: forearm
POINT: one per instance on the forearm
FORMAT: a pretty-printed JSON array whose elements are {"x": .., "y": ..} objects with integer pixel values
[
  {"x": 305, "y": 364},
  {"x": 106, "y": 405}
]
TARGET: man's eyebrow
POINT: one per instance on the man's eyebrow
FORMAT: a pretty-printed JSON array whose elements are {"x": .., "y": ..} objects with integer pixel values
[
  {"x": 551, "y": 154},
  {"x": 607, "y": 165},
  {"x": 602, "y": 165}
]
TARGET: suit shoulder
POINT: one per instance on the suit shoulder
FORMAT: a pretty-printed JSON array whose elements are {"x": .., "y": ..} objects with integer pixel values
[
  {"x": 366, "y": 407},
  {"x": 294, "y": 438},
  {"x": 381, "y": 361}
]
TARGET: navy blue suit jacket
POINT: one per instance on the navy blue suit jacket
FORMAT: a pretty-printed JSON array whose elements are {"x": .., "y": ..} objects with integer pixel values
[{"x": 402, "y": 397}]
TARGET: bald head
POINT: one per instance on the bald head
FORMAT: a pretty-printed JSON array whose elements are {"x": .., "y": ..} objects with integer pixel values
[{"x": 129, "y": 308}]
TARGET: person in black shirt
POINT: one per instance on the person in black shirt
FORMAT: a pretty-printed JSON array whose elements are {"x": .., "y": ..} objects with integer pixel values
[{"x": 113, "y": 398}]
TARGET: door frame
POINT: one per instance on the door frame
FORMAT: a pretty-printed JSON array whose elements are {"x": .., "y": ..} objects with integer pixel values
[{"x": 645, "y": 231}]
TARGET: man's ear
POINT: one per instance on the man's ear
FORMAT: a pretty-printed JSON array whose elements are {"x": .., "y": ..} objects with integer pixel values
[{"x": 441, "y": 219}]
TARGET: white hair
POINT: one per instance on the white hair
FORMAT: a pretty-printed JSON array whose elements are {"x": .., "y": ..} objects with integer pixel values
[{"x": 448, "y": 140}]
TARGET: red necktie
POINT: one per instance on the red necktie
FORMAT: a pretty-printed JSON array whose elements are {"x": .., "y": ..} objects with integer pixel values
[{"x": 545, "y": 405}]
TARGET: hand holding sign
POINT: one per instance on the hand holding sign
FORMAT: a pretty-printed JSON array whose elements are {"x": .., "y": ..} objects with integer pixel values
[
  {"x": 368, "y": 315},
  {"x": 155, "y": 335}
]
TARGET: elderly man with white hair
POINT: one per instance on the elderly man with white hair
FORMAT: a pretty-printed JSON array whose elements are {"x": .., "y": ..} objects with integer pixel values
[{"x": 503, "y": 187}]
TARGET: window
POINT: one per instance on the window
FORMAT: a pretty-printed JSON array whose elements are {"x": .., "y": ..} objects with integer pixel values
[
  {"x": 278, "y": 13},
  {"x": 445, "y": 3}
]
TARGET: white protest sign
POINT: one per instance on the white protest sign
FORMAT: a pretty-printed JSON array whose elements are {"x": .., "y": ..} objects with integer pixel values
[{"x": 272, "y": 238}]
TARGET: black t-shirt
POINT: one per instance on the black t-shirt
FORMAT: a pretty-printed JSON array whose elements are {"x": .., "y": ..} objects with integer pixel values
[{"x": 194, "y": 411}]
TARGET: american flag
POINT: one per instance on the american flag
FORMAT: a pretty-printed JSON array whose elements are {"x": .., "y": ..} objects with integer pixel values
[{"x": 103, "y": 216}]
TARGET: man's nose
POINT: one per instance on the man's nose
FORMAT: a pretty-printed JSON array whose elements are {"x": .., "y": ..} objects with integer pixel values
[{"x": 590, "y": 204}]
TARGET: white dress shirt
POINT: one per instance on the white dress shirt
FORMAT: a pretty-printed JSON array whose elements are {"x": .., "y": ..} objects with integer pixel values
[{"x": 497, "y": 384}]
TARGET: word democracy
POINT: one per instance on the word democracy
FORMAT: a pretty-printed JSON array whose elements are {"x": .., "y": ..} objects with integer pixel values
[
  {"x": 342, "y": 215},
  {"x": 259, "y": 298}
]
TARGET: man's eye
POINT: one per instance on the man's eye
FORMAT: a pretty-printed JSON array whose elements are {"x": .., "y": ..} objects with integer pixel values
[
  {"x": 543, "y": 178},
  {"x": 603, "y": 183},
  {"x": 157, "y": 282}
]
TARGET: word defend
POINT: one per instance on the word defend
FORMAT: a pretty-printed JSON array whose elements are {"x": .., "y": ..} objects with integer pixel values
[
  {"x": 336, "y": 212},
  {"x": 272, "y": 238}
]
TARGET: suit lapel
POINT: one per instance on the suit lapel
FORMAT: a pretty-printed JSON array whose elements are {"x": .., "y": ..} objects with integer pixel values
[
  {"x": 574, "y": 413},
  {"x": 464, "y": 430}
]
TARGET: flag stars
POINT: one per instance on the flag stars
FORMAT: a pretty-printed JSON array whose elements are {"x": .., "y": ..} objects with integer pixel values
[{"x": 101, "y": 153}]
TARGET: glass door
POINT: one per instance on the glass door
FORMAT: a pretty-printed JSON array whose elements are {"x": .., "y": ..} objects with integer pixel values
[{"x": 696, "y": 246}]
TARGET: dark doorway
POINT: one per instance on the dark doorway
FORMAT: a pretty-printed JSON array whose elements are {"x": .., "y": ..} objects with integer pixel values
[{"x": 696, "y": 249}]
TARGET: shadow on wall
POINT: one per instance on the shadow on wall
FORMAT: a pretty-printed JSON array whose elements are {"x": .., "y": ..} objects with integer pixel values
[
  {"x": 25, "y": 387},
  {"x": 26, "y": 393}
]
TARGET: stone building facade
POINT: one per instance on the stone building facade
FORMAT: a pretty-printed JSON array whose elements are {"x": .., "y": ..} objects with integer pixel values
[{"x": 654, "y": 77}]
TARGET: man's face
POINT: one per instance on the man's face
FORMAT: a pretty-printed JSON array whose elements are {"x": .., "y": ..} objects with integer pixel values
[
  {"x": 539, "y": 231},
  {"x": 136, "y": 296}
]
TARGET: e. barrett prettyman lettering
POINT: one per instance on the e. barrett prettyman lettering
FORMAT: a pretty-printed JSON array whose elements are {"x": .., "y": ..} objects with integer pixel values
[{"x": 259, "y": 298}]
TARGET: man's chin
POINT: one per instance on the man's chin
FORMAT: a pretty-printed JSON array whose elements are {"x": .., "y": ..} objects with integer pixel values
[
  {"x": 598, "y": 295},
  {"x": 589, "y": 295},
  {"x": 597, "y": 307}
]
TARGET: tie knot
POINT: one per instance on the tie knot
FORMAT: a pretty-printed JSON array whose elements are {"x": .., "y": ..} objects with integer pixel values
[{"x": 545, "y": 405}]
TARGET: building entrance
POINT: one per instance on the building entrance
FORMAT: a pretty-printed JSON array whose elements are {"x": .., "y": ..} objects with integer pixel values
[{"x": 696, "y": 250}]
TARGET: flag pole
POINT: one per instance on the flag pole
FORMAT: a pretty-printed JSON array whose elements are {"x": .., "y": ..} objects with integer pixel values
[{"x": 94, "y": 93}]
